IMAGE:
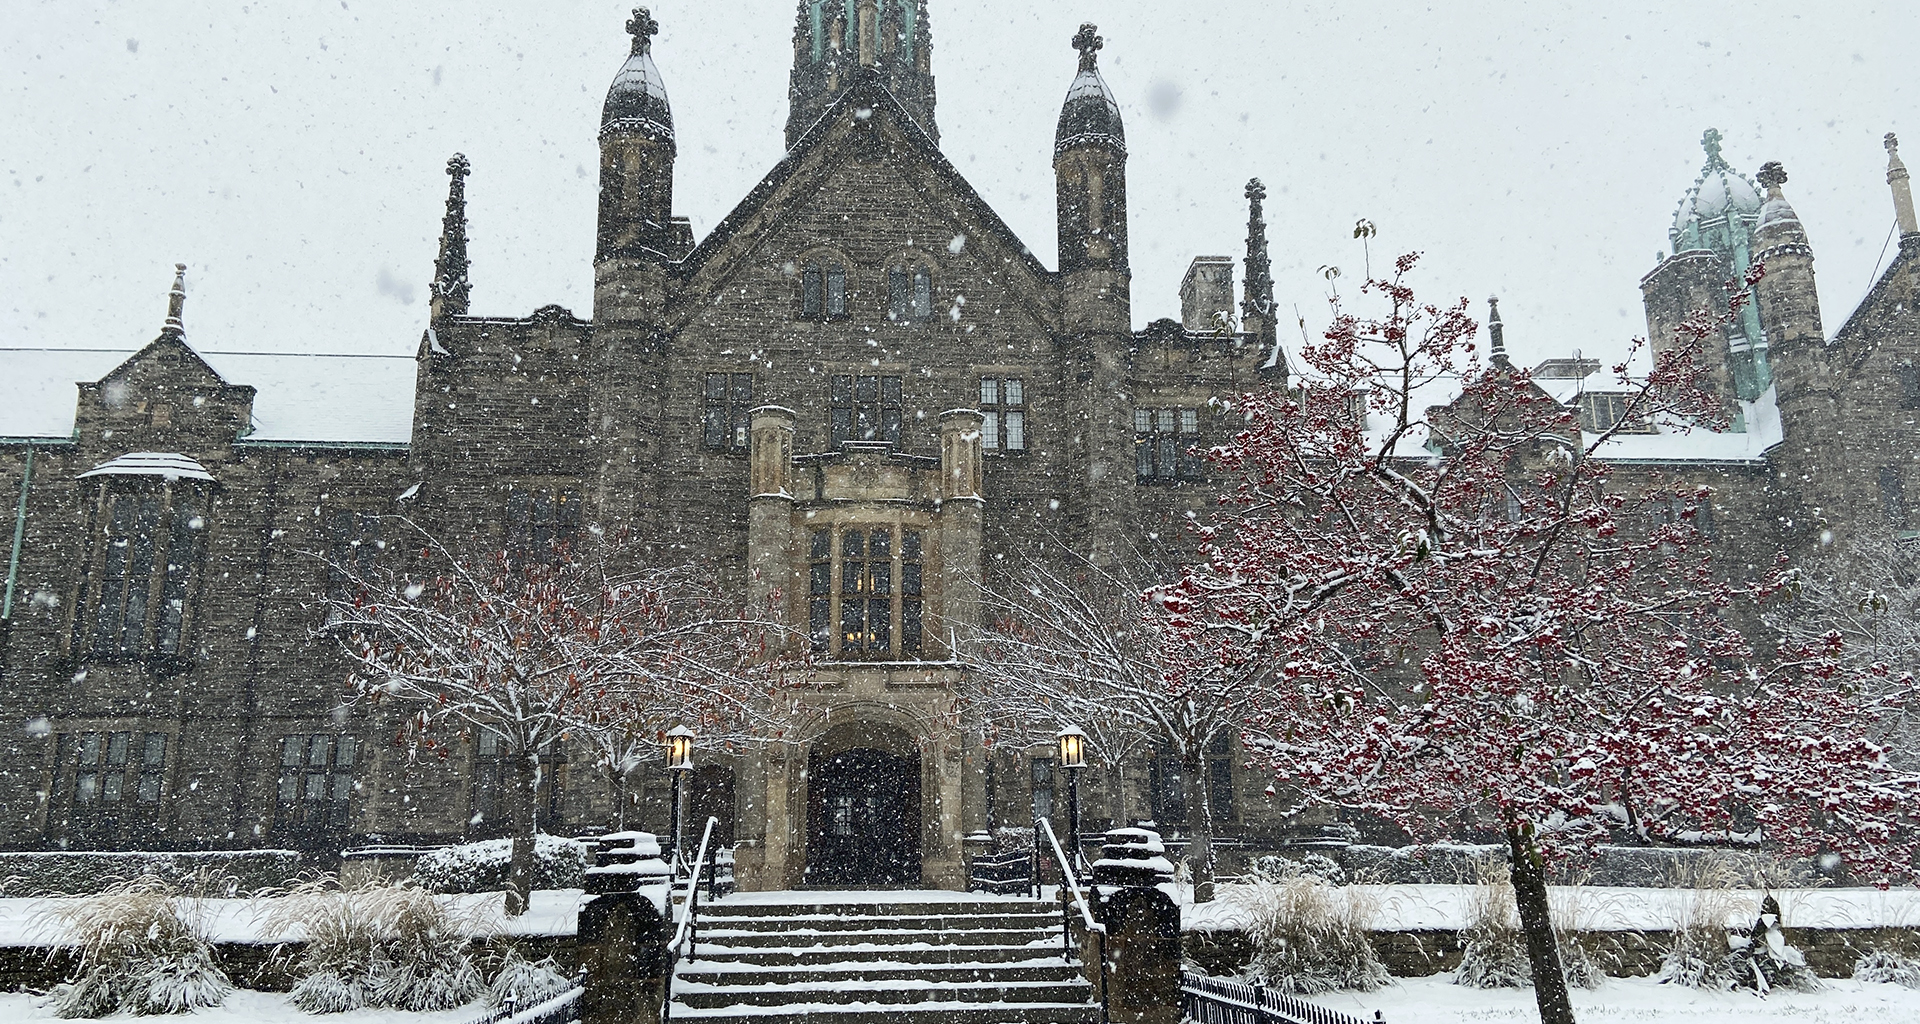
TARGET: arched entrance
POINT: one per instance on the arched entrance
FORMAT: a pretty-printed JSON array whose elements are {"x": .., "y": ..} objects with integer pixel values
[{"x": 863, "y": 825}]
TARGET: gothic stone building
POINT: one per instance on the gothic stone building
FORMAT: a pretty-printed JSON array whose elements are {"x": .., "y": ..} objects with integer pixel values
[{"x": 852, "y": 398}]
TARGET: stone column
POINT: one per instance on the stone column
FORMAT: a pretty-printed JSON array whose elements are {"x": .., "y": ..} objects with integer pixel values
[
  {"x": 771, "y": 568},
  {"x": 962, "y": 511}
]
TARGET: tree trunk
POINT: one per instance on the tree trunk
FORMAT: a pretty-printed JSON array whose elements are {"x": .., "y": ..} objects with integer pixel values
[
  {"x": 1199, "y": 827},
  {"x": 619, "y": 798},
  {"x": 1536, "y": 923},
  {"x": 1118, "y": 797},
  {"x": 522, "y": 786}
]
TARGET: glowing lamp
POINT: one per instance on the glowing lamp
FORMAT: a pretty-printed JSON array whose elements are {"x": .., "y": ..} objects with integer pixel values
[{"x": 680, "y": 749}]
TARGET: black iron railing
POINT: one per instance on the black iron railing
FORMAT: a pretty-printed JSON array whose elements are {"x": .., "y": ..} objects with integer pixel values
[
  {"x": 1072, "y": 897},
  {"x": 686, "y": 934},
  {"x": 1214, "y": 1001}
]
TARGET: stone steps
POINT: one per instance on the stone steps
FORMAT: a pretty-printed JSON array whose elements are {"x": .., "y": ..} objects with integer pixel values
[{"x": 868, "y": 960}]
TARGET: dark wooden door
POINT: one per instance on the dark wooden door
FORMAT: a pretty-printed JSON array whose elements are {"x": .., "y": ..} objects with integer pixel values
[{"x": 866, "y": 819}]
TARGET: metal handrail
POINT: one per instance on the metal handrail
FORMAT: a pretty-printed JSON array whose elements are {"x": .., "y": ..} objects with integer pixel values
[
  {"x": 688, "y": 930},
  {"x": 1070, "y": 884}
]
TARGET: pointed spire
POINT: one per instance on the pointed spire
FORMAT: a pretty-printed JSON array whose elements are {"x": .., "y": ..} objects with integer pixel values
[
  {"x": 177, "y": 303},
  {"x": 450, "y": 285},
  {"x": 1902, "y": 191},
  {"x": 1259, "y": 269},
  {"x": 1497, "y": 332}
]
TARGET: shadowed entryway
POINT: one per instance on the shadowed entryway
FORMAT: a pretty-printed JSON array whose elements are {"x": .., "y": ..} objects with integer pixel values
[{"x": 864, "y": 809}]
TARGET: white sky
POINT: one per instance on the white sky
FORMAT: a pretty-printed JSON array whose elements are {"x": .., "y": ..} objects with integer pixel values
[{"x": 291, "y": 151}]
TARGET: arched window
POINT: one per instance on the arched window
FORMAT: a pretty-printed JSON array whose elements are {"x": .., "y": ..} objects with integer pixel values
[
  {"x": 909, "y": 293},
  {"x": 823, "y": 291},
  {"x": 145, "y": 549}
]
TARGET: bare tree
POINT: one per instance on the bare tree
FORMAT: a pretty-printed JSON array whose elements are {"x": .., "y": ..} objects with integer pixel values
[
  {"x": 1070, "y": 641},
  {"x": 535, "y": 649},
  {"x": 1861, "y": 598}
]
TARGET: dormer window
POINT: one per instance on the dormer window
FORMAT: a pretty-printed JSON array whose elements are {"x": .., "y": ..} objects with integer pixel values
[
  {"x": 909, "y": 294},
  {"x": 823, "y": 291}
]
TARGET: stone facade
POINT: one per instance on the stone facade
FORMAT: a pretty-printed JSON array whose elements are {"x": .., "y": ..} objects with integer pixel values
[{"x": 861, "y": 370}]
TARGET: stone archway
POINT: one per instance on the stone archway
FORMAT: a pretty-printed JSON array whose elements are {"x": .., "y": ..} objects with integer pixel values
[{"x": 863, "y": 807}]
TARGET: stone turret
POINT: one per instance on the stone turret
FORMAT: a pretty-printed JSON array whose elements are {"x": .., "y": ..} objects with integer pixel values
[
  {"x": 637, "y": 152},
  {"x": 638, "y": 239},
  {"x": 834, "y": 39},
  {"x": 1789, "y": 307},
  {"x": 1090, "y": 177}
]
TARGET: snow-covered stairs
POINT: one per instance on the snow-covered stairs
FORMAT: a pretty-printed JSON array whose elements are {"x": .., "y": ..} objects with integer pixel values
[{"x": 868, "y": 958}]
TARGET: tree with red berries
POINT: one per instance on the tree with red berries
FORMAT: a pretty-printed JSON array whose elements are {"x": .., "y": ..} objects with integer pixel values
[
  {"x": 537, "y": 647},
  {"x": 1466, "y": 618}
]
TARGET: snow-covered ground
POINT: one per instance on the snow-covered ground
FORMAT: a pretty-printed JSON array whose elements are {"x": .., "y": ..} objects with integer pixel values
[
  {"x": 1437, "y": 1000},
  {"x": 1388, "y": 907},
  {"x": 1600, "y": 908},
  {"x": 247, "y": 1007},
  {"x": 25, "y": 921}
]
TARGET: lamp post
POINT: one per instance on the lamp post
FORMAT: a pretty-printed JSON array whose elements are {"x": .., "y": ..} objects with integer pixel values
[
  {"x": 1073, "y": 758},
  {"x": 679, "y": 762}
]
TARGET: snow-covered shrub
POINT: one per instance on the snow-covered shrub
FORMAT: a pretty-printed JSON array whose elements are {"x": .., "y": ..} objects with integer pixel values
[
  {"x": 1578, "y": 965},
  {"x": 144, "y": 948},
  {"x": 1889, "y": 967},
  {"x": 424, "y": 965},
  {"x": 1762, "y": 960},
  {"x": 482, "y": 866},
  {"x": 1273, "y": 868},
  {"x": 522, "y": 982},
  {"x": 1707, "y": 954},
  {"x": 1496, "y": 952},
  {"x": 377, "y": 946},
  {"x": 1307, "y": 936}
]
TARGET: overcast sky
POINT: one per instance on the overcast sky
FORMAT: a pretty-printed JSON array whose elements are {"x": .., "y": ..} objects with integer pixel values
[{"x": 291, "y": 152}]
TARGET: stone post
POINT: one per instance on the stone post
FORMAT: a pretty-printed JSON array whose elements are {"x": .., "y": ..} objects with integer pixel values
[
  {"x": 1143, "y": 929},
  {"x": 624, "y": 932}
]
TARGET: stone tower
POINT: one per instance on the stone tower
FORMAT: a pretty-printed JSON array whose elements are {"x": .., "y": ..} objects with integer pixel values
[
  {"x": 1808, "y": 394},
  {"x": 834, "y": 39},
  {"x": 1090, "y": 179},
  {"x": 638, "y": 238},
  {"x": 1257, "y": 312}
]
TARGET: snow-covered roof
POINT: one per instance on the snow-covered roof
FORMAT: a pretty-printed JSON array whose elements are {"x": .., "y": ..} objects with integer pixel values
[
  {"x": 347, "y": 399},
  {"x": 171, "y": 465}
]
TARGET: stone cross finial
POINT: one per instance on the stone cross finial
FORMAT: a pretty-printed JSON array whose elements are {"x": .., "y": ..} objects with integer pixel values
[
  {"x": 1892, "y": 142},
  {"x": 458, "y": 167},
  {"x": 1088, "y": 42},
  {"x": 1255, "y": 190},
  {"x": 643, "y": 28},
  {"x": 1771, "y": 175},
  {"x": 1710, "y": 141}
]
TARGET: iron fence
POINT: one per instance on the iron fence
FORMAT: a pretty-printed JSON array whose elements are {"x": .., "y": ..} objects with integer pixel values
[{"x": 1214, "y": 1001}]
